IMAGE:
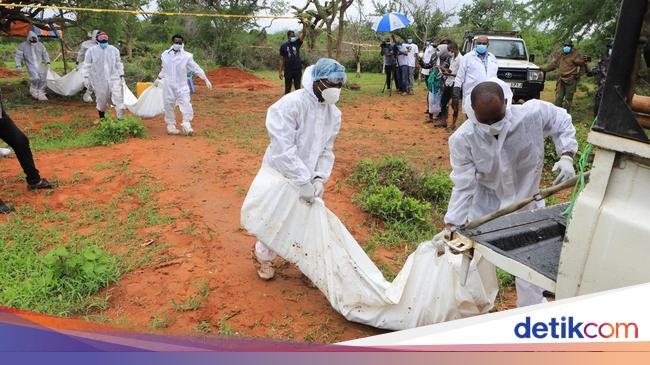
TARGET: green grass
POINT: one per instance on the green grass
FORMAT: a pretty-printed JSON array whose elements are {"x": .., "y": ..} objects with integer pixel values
[
  {"x": 61, "y": 135},
  {"x": 49, "y": 266}
]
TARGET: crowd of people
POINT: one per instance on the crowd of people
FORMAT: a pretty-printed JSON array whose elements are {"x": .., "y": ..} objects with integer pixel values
[{"x": 496, "y": 155}]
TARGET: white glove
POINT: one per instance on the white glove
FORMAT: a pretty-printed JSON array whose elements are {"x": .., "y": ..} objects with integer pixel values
[
  {"x": 319, "y": 188},
  {"x": 208, "y": 84},
  {"x": 565, "y": 165},
  {"x": 307, "y": 193},
  {"x": 157, "y": 82},
  {"x": 440, "y": 241}
]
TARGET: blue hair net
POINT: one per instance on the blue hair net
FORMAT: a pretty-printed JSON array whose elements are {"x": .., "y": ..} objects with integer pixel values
[{"x": 327, "y": 68}]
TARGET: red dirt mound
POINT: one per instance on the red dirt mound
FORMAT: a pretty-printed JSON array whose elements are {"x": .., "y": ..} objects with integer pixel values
[
  {"x": 234, "y": 78},
  {"x": 8, "y": 73}
]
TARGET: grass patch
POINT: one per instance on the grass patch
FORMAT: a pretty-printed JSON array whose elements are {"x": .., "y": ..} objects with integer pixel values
[
  {"x": 54, "y": 262},
  {"x": 103, "y": 132},
  {"x": 406, "y": 203}
]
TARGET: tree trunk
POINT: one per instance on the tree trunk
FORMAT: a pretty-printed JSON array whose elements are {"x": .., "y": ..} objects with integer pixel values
[
  {"x": 330, "y": 51},
  {"x": 339, "y": 37}
]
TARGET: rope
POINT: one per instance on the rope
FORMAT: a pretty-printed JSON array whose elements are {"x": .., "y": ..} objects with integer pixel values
[
  {"x": 142, "y": 12},
  {"x": 583, "y": 164}
]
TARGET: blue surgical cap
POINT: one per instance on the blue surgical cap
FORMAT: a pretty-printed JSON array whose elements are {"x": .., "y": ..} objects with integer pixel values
[{"x": 327, "y": 68}]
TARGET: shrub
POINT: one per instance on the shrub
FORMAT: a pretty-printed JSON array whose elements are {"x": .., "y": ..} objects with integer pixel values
[
  {"x": 390, "y": 204},
  {"x": 87, "y": 271},
  {"x": 110, "y": 130}
]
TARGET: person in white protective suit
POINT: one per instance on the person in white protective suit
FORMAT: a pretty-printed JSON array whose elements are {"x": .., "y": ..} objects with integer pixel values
[
  {"x": 83, "y": 48},
  {"x": 175, "y": 64},
  {"x": 34, "y": 54},
  {"x": 497, "y": 158},
  {"x": 302, "y": 127},
  {"x": 475, "y": 67},
  {"x": 104, "y": 63}
]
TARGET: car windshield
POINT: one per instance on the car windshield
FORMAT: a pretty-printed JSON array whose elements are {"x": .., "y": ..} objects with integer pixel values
[{"x": 508, "y": 48}]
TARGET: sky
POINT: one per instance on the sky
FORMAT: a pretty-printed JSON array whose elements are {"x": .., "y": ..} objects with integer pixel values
[{"x": 280, "y": 25}]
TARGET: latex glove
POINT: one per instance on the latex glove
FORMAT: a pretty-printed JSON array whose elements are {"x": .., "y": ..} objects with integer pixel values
[
  {"x": 208, "y": 84},
  {"x": 440, "y": 241},
  {"x": 565, "y": 166},
  {"x": 307, "y": 193},
  {"x": 86, "y": 82},
  {"x": 456, "y": 92},
  {"x": 319, "y": 188},
  {"x": 156, "y": 83}
]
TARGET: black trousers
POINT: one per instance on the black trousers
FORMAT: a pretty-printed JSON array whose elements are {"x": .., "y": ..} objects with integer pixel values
[
  {"x": 448, "y": 95},
  {"x": 292, "y": 77},
  {"x": 391, "y": 74},
  {"x": 19, "y": 142}
]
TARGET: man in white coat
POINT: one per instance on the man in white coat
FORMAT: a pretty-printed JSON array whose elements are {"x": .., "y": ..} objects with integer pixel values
[
  {"x": 497, "y": 158},
  {"x": 34, "y": 54},
  {"x": 475, "y": 67},
  {"x": 175, "y": 64},
  {"x": 302, "y": 127},
  {"x": 83, "y": 48},
  {"x": 104, "y": 63}
]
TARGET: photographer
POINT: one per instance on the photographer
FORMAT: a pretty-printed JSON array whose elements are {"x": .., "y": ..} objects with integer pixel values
[{"x": 390, "y": 62}]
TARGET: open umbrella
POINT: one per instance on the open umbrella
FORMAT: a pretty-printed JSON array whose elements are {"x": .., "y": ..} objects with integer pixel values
[{"x": 391, "y": 22}]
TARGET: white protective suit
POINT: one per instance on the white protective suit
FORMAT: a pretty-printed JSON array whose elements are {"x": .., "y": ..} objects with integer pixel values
[
  {"x": 107, "y": 70},
  {"x": 176, "y": 90},
  {"x": 490, "y": 173},
  {"x": 429, "y": 53},
  {"x": 302, "y": 132},
  {"x": 81, "y": 56},
  {"x": 34, "y": 55},
  {"x": 472, "y": 71}
]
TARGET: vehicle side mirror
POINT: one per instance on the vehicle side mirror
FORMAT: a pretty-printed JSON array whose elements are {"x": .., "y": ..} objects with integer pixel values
[{"x": 531, "y": 58}]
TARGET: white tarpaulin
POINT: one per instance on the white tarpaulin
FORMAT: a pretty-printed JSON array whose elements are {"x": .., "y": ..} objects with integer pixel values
[
  {"x": 149, "y": 105},
  {"x": 68, "y": 85},
  {"x": 427, "y": 290}
]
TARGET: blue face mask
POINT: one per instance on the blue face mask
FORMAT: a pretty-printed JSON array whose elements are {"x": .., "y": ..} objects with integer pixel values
[
  {"x": 293, "y": 39},
  {"x": 409, "y": 41},
  {"x": 566, "y": 49},
  {"x": 481, "y": 48},
  {"x": 103, "y": 45}
]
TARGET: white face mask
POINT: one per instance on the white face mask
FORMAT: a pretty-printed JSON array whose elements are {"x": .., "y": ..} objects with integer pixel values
[
  {"x": 331, "y": 95},
  {"x": 177, "y": 47},
  {"x": 493, "y": 129}
]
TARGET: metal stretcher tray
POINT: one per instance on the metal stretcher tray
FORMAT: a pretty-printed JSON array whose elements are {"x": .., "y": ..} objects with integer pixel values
[{"x": 517, "y": 241}]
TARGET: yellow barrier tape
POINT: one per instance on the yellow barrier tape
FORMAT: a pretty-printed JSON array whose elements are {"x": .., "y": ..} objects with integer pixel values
[{"x": 142, "y": 12}]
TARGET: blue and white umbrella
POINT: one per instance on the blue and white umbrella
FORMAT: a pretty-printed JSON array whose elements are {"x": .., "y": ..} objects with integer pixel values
[{"x": 391, "y": 22}]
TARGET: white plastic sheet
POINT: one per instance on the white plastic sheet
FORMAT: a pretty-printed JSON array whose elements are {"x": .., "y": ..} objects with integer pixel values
[
  {"x": 427, "y": 290},
  {"x": 68, "y": 85},
  {"x": 149, "y": 105}
]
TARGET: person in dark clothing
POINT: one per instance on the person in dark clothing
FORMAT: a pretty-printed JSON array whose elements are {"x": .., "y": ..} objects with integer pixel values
[
  {"x": 390, "y": 63},
  {"x": 17, "y": 140},
  {"x": 290, "y": 63},
  {"x": 600, "y": 73}
]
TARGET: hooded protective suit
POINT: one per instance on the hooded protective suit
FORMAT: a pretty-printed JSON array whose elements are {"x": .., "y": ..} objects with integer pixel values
[
  {"x": 490, "y": 173},
  {"x": 175, "y": 66},
  {"x": 85, "y": 46},
  {"x": 302, "y": 132},
  {"x": 106, "y": 68},
  {"x": 34, "y": 55}
]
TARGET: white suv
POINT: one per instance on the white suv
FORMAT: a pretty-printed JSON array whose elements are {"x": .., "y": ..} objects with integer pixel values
[{"x": 516, "y": 66}]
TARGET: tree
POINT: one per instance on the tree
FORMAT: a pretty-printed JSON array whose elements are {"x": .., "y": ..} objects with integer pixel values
[
  {"x": 427, "y": 18},
  {"x": 359, "y": 31},
  {"x": 323, "y": 15},
  {"x": 577, "y": 18},
  {"x": 494, "y": 15}
]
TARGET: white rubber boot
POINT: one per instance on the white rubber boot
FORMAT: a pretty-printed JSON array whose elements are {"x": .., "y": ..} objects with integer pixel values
[
  {"x": 172, "y": 130},
  {"x": 88, "y": 98},
  {"x": 42, "y": 96},
  {"x": 266, "y": 270},
  {"x": 187, "y": 128},
  {"x": 5, "y": 152}
]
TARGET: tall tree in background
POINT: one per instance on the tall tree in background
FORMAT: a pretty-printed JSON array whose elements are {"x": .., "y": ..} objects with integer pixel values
[
  {"x": 577, "y": 18},
  {"x": 427, "y": 17},
  {"x": 494, "y": 15}
]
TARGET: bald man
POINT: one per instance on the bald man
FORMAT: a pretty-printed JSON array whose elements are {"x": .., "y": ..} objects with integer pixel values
[{"x": 497, "y": 158}]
